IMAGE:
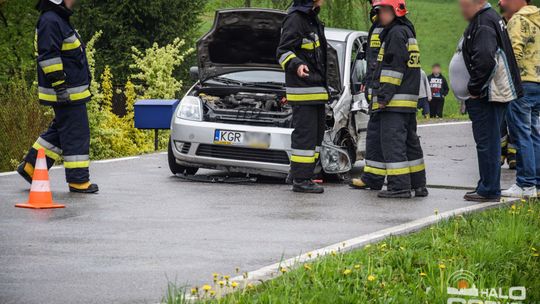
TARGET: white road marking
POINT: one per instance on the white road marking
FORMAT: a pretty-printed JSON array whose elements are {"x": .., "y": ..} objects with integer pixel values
[
  {"x": 442, "y": 124},
  {"x": 106, "y": 161},
  {"x": 272, "y": 271}
]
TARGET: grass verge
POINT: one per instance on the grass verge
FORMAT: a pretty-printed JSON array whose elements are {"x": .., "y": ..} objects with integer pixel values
[{"x": 498, "y": 248}]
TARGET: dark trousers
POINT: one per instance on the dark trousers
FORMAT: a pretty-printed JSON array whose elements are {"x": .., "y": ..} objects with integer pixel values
[
  {"x": 487, "y": 118},
  {"x": 393, "y": 151},
  {"x": 67, "y": 137},
  {"x": 306, "y": 140},
  {"x": 437, "y": 107},
  {"x": 423, "y": 104}
]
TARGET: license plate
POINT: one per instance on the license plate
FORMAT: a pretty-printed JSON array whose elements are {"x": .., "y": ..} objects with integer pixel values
[{"x": 239, "y": 138}]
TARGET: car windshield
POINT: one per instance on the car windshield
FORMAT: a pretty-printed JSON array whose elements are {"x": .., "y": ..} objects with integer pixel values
[{"x": 250, "y": 77}]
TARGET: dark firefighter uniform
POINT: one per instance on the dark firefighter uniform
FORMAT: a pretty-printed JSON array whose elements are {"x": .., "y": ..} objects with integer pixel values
[
  {"x": 63, "y": 79},
  {"x": 303, "y": 43},
  {"x": 372, "y": 48},
  {"x": 394, "y": 147}
]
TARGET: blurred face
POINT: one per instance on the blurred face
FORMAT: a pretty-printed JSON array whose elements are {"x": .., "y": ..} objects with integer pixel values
[
  {"x": 318, "y": 3},
  {"x": 386, "y": 15},
  {"x": 469, "y": 8},
  {"x": 69, "y": 3},
  {"x": 510, "y": 7},
  {"x": 436, "y": 70}
]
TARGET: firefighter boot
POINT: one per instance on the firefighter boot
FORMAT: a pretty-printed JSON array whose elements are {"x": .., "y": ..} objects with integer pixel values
[
  {"x": 87, "y": 188},
  {"x": 307, "y": 186},
  {"x": 395, "y": 194},
  {"x": 26, "y": 171},
  {"x": 421, "y": 192}
]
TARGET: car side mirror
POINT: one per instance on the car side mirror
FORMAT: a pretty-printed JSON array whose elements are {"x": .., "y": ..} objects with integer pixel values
[{"x": 194, "y": 73}]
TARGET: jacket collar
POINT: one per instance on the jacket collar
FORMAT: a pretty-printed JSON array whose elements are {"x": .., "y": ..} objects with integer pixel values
[
  {"x": 486, "y": 7},
  {"x": 306, "y": 9}
]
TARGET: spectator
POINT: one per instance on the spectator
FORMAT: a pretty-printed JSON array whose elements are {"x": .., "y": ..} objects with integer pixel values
[
  {"x": 523, "y": 115},
  {"x": 489, "y": 64},
  {"x": 439, "y": 90},
  {"x": 424, "y": 98}
]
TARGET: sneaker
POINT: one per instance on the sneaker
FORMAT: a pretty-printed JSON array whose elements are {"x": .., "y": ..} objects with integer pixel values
[
  {"x": 518, "y": 192},
  {"x": 87, "y": 188},
  {"x": 307, "y": 186},
  {"x": 395, "y": 194},
  {"x": 421, "y": 192},
  {"x": 475, "y": 197}
]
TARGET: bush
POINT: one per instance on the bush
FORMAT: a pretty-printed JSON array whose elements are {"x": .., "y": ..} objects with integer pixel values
[{"x": 22, "y": 120}]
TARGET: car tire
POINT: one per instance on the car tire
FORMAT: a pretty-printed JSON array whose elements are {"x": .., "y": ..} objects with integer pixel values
[{"x": 176, "y": 168}]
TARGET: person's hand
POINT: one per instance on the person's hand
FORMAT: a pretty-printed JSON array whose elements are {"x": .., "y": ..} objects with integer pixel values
[
  {"x": 302, "y": 71},
  {"x": 429, "y": 99},
  {"x": 362, "y": 88},
  {"x": 62, "y": 95}
]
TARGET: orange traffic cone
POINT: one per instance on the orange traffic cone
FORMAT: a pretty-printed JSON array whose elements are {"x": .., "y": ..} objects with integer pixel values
[{"x": 40, "y": 192}]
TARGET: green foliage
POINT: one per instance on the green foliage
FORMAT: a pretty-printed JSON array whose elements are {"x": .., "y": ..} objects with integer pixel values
[
  {"x": 17, "y": 28},
  {"x": 22, "y": 119},
  {"x": 136, "y": 23},
  {"x": 500, "y": 247}
]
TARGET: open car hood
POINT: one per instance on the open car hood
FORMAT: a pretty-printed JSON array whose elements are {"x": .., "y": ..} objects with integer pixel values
[{"x": 247, "y": 39}]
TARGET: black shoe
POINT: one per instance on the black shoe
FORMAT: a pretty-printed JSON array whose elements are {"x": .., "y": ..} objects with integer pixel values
[
  {"x": 93, "y": 188},
  {"x": 395, "y": 194},
  {"x": 475, "y": 197},
  {"x": 24, "y": 174},
  {"x": 307, "y": 186},
  {"x": 421, "y": 192}
]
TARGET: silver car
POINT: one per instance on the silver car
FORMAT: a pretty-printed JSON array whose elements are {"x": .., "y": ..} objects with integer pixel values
[{"x": 236, "y": 117}]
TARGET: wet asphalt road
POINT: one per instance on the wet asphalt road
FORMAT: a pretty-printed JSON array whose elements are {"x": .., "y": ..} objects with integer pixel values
[{"x": 147, "y": 228}]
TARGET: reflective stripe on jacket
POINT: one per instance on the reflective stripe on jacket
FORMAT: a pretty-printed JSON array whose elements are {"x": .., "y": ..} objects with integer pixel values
[
  {"x": 303, "y": 42},
  {"x": 396, "y": 81},
  {"x": 61, "y": 60}
]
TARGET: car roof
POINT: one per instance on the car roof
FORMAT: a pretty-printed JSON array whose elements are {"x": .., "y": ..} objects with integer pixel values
[{"x": 336, "y": 34}]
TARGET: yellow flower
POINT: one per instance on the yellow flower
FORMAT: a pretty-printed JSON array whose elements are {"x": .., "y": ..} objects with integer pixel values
[
  {"x": 371, "y": 278},
  {"x": 442, "y": 266},
  {"x": 212, "y": 293},
  {"x": 221, "y": 283},
  {"x": 307, "y": 267},
  {"x": 234, "y": 284},
  {"x": 536, "y": 254},
  {"x": 402, "y": 248},
  {"x": 513, "y": 207},
  {"x": 423, "y": 274},
  {"x": 533, "y": 249},
  {"x": 309, "y": 254},
  {"x": 523, "y": 200},
  {"x": 367, "y": 246},
  {"x": 194, "y": 291},
  {"x": 227, "y": 277},
  {"x": 283, "y": 269},
  {"x": 347, "y": 272},
  {"x": 250, "y": 286},
  {"x": 383, "y": 245},
  {"x": 207, "y": 288},
  {"x": 357, "y": 266},
  {"x": 333, "y": 253}
]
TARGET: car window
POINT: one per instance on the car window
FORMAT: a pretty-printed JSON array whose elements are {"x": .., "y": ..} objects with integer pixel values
[{"x": 341, "y": 48}]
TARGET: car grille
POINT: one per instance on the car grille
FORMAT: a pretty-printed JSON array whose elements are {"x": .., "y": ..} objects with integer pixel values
[{"x": 240, "y": 153}]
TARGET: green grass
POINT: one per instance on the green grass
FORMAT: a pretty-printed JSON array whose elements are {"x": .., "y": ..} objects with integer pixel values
[{"x": 500, "y": 247}]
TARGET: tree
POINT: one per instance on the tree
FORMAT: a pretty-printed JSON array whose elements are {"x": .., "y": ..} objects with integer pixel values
[{"x": 140, "y": 24}]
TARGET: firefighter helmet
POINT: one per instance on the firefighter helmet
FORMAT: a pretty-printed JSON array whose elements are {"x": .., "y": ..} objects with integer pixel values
[{"x": 398, "y": 5}]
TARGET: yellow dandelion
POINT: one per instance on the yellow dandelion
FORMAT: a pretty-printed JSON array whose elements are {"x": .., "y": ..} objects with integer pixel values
[
  {"x": 212, "y": 293},
  {"x": 194, "y": 291},
  {"x": 283, "y": 269},
  {"x": 234, "y": 284},
  {"x": 423, "y": 274},
  {"x": 383, "y": 245},
  {"x": 536, "y": 255},
  {"x": 514, "y": 207},
  {"x": 347, "y": 272},
  {"x": 333, "y": 253},
  {"x": 309, "y": 254},
  {"x": 207, "y": 288},
  {"x": 371, "y": 278},
  {"x": 357, "y": 266},
  {"x": 221, "y": 283},
  {"x": 250, "y": 286},
  {"x": 442, "y": 266},
  {"x": 227, "y": 277},
  {"x": 307, "y": 267},
  {"x": 215, "y": 275},
  {"x": 523, "y": 200}
]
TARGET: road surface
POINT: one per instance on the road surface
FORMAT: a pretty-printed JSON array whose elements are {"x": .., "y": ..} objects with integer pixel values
[{"x": 147, "y": 228}]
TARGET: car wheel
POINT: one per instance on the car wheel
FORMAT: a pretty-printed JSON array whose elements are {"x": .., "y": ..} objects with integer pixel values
[{"x": 176, "y": 168}]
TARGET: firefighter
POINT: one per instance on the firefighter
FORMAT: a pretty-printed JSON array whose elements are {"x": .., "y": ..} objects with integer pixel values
[
  {"x": 302, "y": 54},
  {"x": 371, "y": 50},
  {"x": 63, "y": 79},
  {"x": 394, "y": 150}
]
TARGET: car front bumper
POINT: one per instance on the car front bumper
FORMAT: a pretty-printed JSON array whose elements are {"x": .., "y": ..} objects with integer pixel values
[{"x": 193, "y": 145}]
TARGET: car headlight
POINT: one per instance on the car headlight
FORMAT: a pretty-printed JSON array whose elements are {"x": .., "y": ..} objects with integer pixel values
[
  {"x": 190, "y": 108},
  {"x": 334, "y": 159}
]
